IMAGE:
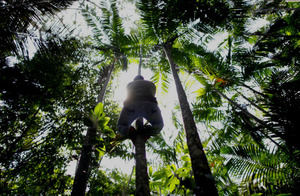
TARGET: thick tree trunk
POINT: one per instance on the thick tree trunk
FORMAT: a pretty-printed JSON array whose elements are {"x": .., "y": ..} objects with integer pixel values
[
  {"x": 205, "y": 184},
  {"x": 141, "y": 173},
  {"x": 83, "y": 169}
]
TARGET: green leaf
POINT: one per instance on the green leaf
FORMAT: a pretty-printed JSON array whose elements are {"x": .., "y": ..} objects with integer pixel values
[
  {"x": 101, "y": 152},
  {"x": 108, "y": 132},
  {"x": 172, "y": 187},
  {"x": 106, "y": 120},
  {"x": 252, "y": 39},
  {"x": 150, "y": 171},
  {"x": 200, "y": 92},
  {"x": 173, "y": 182},
  {"x": 173, "y": 167},
  {"x": 158, "y": 175},
  {"x": 103, "y": 120},
  {"x": 98, "y": 110},
  {"x": 185, "y": 158}
]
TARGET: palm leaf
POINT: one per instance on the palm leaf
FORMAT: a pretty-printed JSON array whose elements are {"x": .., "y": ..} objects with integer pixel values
[{"x": 253, "y": 164}]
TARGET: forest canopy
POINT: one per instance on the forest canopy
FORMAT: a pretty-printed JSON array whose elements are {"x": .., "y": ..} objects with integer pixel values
[{"x": 227, "y": 82}]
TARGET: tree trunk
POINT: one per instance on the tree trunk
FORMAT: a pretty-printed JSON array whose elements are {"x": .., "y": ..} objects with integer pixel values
[
  {"x": 102, "y": 92},
  {"x": 141, "y": 173},
  {"x": 128, "y": 183},
  {"x": 141, "y": 60},
  {"x": 82, "y": 172},
  {"x": 83, "y": 169},
  {"x": 205, "y": 184}
]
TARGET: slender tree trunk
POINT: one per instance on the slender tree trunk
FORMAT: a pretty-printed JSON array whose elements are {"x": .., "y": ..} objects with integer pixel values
[
  {"x": 129, "y": 180},
  {"x": 141, "y": 60},
  {"x": 205, "y": 184},
  {"x": 102, "y": 92},
  {"x": 83, "y": 169},
  {"x": 141, "y": 173}
]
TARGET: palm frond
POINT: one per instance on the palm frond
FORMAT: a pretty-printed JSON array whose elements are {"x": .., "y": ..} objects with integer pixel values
[
  {"x": 166, "y": 152},
  {"x": 14, "y": 31},
  {"x": 255, "y": 165},
  {"x": 161, "y": 79},
  {"x": 283, "y": 104}
]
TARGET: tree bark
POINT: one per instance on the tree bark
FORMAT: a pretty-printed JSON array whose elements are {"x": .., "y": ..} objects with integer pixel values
[
  {"x": 82, "y": 172},
  {"x": 141, "y": 60},
  {"x": 141, "y": 173},
  {"x": 102, "y": 92},
  {"x": 83, "y": 169},
  {"x": 205, "y": 184}
]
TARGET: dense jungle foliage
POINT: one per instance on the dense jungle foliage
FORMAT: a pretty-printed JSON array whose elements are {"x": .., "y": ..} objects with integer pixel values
[{"x": 242, "y": 121}]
